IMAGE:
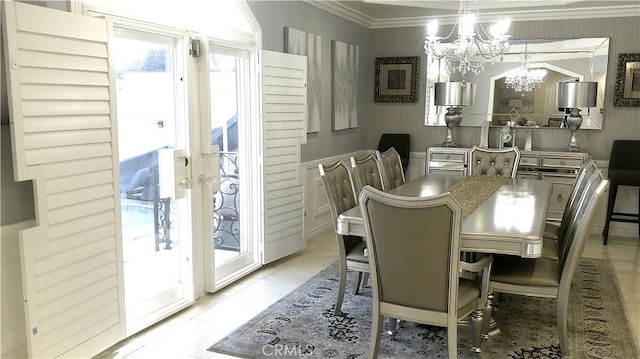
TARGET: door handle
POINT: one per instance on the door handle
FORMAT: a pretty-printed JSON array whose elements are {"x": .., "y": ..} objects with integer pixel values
[
  {"x": 211, "y": 168},
  {"x": 174, "y": 173}
]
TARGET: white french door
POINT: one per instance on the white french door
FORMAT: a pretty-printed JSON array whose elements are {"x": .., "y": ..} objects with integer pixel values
[
  {"x": 231, "y": 237},
  {"x": 152, "y": 126}
]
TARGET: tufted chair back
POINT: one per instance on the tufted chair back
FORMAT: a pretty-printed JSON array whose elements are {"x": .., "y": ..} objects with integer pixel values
[
  {"x": 366, "y": 171},
  {"x": 339, "y": 189},
  {"x": 391, "y": 168},
  {"x": 494, "y": 162}
]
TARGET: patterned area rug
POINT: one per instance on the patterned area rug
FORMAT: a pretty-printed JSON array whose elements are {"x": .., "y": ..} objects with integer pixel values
[{"x": 302, "y": 324}]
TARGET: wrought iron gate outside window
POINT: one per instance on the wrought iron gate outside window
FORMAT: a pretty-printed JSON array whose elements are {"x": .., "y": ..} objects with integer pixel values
[{"x": 226, "y": 215}]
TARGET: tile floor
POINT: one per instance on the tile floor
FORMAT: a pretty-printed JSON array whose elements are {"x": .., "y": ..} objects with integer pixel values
[{"x": 189, "y": 333}]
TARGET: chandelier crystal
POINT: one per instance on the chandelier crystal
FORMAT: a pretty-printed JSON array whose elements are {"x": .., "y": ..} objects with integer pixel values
[
  {"x": 524, "y": 79},
  {"x": 473, "y": 48}
]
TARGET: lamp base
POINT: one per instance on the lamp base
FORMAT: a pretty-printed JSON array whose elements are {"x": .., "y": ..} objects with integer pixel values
[
  {"x": 452, "y": 119},
  {"x": 528, "y": 141},
  {"x": 574, "y": 121}
]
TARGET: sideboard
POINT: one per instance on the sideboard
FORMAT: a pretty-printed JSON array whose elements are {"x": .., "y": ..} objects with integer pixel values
[{"x": 556, "y": 166}]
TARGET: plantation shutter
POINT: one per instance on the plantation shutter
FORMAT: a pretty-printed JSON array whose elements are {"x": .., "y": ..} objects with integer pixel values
[
  {"x": 62, "y": 127},
  {"x": 284, "y": 111}
]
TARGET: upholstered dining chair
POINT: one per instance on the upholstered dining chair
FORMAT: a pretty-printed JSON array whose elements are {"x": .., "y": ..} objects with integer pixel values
[
  {"x": 365, "y": 170},
  {"x": 339, "y": 190},
  {"x": 624, "y": 170},
  {"x": 542, "y": 277},
  {"x": 494, "y": 162},
  {"x": 421, "y": 284},
  {"x": 390, "y": 168},
  {"x": 553, "y": 231}
]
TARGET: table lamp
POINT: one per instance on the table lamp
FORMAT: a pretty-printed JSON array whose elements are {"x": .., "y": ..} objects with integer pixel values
[
  {"x": 573, "y": 95},
  {"x": 453, "y": 95},
  {"x": 515, "y": 104}
]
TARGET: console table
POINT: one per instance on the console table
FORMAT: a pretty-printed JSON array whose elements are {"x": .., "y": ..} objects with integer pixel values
[{"x": 556, "y": 166}]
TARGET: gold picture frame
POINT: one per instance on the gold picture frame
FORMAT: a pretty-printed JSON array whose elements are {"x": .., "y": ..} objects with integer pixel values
[
  {"x": 628, "y": 81},
  {"x": 396, "y": 79}
]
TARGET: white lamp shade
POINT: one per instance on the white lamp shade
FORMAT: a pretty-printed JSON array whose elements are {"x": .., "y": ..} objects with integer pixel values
[
  {"x": 576, "y": 94},
  {"x": 454, "y": 93}
]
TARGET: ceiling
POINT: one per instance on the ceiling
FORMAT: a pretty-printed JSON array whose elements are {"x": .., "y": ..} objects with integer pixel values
[{"x": 404, "y": 13}]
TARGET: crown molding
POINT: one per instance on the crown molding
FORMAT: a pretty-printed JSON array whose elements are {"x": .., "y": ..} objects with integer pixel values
[
  {"x": 357, "y": 17},
  {"x": 343, "y": 11}
]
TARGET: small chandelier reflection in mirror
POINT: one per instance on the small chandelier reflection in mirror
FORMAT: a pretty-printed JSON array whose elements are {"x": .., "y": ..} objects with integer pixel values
[
  {"x": 524, "y": 79},
  {"x": 473, "y": 48}
]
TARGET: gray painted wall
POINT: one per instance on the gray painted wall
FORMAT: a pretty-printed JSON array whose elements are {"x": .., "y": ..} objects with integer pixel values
[
  {"x": 273, "y": 16},
  {"x": 619, "y": 122}
]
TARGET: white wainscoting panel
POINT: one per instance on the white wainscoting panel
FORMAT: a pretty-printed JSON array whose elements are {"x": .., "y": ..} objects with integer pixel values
[{"x": 14, "y": 339}]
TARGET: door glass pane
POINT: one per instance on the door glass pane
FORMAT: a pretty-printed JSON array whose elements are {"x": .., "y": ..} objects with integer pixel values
[
  {"x": 147, "y": 124},
  {"x": 225, "y": 71}
]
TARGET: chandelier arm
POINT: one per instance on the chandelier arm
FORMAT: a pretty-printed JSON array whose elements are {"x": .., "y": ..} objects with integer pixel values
[
  {"x": 432, "y": 48},
  {"x": 488, "y": 55}
]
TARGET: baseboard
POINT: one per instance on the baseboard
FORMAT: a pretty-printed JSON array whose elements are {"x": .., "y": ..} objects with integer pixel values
[
  {"x": 317, "y": 231},
  {"x": 14, "y": 346},
  {"x": 617, "y": 231}
]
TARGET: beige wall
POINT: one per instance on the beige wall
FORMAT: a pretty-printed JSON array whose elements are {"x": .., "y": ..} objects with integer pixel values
[{"x": 619, "y": 122}]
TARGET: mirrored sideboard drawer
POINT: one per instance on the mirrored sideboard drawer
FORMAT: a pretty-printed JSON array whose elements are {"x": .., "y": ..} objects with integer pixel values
[
  {"x": 529, "y": 160},
  {"x": 561, "y": 162},
  {"x": 448, "y": 157},
  {"x": 527, "y": 175}
]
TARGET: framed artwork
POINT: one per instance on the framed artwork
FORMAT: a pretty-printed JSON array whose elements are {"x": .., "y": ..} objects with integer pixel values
[
  {"x": 628, "y": 81},
  {"x": 344, "y": 81},
  {"x": 303, "y": 43},
  {"x": 396, "y": 79}
]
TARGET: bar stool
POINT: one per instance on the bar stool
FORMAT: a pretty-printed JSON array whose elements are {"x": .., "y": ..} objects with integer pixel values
[{"x": 624, "y": 170}]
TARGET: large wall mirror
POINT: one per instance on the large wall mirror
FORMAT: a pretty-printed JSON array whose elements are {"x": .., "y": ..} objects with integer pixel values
[{"x": 584, "y": 59}]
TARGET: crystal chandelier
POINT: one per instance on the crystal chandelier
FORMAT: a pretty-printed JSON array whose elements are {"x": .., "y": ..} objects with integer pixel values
[
  {"x": 524, "y": 79},
  {"x": 473, "y": 48}
]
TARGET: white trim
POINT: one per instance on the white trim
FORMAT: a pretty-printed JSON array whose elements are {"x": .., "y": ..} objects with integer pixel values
[
  {"x": 357, "y": 17},
  {"x": 344, "y": 12}
]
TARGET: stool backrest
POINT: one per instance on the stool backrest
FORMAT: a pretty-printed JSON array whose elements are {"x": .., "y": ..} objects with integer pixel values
[{"x": 625, "y": 155}]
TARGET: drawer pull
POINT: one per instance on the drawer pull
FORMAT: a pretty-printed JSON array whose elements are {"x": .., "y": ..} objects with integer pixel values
[
  {"x": 447, "y": 157},
  {"x": 559, "y": 197},
  {"x": 562, "y": 162}
]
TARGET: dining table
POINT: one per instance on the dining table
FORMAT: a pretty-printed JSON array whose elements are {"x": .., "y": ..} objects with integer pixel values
[{"x": 500, "y": 215}]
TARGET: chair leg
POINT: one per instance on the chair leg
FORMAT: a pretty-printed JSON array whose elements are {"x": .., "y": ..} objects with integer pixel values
[
  {"x": 563, "y": 335},
  {"x": 476, "y": 329},
  {"x": 452, "y": 340},
  {"x": 342, "y": 284},
  {"x": 613, "y": 190},
  {"x": 376, "y": 328},
  {"x": 487, "y": 314},
  {"x": 356, "y": 285},
  {"x": 393, "y": 328}
]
